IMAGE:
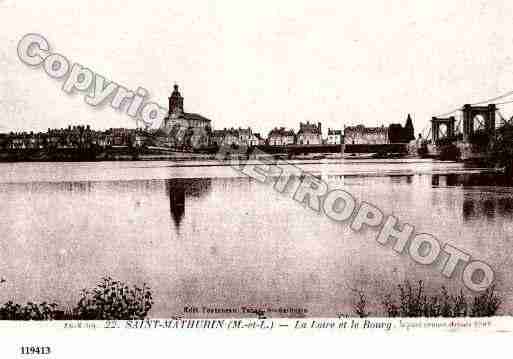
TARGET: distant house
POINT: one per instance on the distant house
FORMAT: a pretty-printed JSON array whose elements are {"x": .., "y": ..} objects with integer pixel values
[
  {"x": 120, "y": 136},
  {"x": 365, "y": 135},
  {"x": 231, "y": 137},
  {"x": 236, "y": 137},
  {"x": 218, "y": 137},
  {"x": 334, "y": 137},
  {"x": 256, "y": 140},
  {"x": 104, "y": 139},
  {"x": 226, "y": 137},
  {"x": 244, "y": 136},
  {"x": 281, "y": 137},
  {"x": 309, "y": 134},
  {"x": 141, "y": 138}
]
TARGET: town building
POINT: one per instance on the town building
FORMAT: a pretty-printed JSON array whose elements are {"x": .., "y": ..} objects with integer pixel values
[
  {"x": 399, "y": 134},
  {"x": 244, "y": 136},
  {"x": 335, "y": 137},
  {"x": 281, "y": 137},
  {"x": 256, "y": 140},
  {"x": 309, "y": 134},
  {"x": 366, "y": 135},
  {"x": 141, "y": 138},
  {"x": 218, "y": 137},
  {"x": 120, "y": 136},
  {"x": 185, "y": 129},
  {"x": 226, "y": 137},
  {"x": 236, "y": 137}
]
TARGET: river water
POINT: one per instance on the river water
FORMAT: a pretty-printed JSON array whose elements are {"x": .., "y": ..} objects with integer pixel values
[{"x": 203, "y": 235}]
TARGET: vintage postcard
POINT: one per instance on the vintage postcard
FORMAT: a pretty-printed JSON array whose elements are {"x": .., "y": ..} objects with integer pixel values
[{"x": 284, "y": 167}]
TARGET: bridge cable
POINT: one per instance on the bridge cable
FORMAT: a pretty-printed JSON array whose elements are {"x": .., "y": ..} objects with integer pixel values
[
  {"x": 509, "y": 93},
  {"x": 504, "y": 103},
  {"x": 449, "y": 113},
  {"x": 493, "y": 99},
  {"x": 424, "y": 130}
]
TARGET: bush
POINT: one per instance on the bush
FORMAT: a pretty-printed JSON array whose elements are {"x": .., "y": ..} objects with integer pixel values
[
  {"x": 412, "y": 302},
  {"x": 360, "y": 307},
  {"x": 500, "y": 153},
  {"x": 114, "y": 300},
  {"x": 110, "y": 300},
  {"x": 30, "y": 311}
]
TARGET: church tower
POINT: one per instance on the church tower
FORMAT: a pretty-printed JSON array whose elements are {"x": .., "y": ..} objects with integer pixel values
[
  {"x": 175, "y": 102},
  {"x": 409, "y": 132}
]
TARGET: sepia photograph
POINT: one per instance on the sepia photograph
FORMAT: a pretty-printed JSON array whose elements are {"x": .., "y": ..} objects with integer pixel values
[{"x": 227, "y": 166}]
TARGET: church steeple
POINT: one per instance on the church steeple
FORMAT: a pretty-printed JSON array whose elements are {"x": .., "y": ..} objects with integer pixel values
[
  {"x": 175, "y": 101},
  {"x": 409, "y": 132}
]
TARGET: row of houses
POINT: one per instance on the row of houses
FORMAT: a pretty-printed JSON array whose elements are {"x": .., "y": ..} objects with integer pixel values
[
  {"x": 186, "y": 130},
  {"x": 201, "y": 134},
  {"x": 395, "y": 133},
  {"x": 308, "y": 134},
  {"x": 311, "y": 134},
  {"x": 178, "y": 135},
  {"x": 77, "y": 137},
  {"x": 361, "y": 134},
  {"x": 83, "y": 137}
]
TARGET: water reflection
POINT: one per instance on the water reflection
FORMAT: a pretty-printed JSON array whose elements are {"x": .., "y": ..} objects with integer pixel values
[
  {"x": 483, "y": 196},
  {"x": 469, "y": 209},
  {"x": 176, "y": 203},
  {"x": 407, "y": 179},
  {"x": 471, "y": 180},
  {"x": 178, "y": 189},
  {"x": 475, "y": 208}
]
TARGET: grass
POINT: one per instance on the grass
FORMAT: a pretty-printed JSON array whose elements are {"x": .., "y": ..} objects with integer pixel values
[{"x": 412, "y": 301}]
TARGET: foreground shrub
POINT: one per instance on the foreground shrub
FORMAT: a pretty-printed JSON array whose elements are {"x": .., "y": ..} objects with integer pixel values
[
  {"x": 110, "y": 300},
  {"x": 114, "y": 300},
  {"x": 29, "y": 311},
  {"x": 360, "y": 307},
  {"x": 412, "y": 302}
]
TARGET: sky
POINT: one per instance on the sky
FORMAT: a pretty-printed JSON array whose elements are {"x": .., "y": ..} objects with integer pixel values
[{"x": 263, "y": 63}]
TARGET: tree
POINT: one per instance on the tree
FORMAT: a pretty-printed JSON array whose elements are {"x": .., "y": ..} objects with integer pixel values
[{"x": 501, "y": 150}]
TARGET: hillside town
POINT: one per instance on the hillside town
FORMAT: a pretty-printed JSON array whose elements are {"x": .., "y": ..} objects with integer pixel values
[{"x": 193, "y": 132}]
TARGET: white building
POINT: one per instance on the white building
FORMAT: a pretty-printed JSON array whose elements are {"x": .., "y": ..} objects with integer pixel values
[{"x": 334, "y": 137}]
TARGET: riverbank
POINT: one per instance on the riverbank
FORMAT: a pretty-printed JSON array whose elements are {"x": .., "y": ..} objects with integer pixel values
[
  {"x": 124, "y": 153},
  {"x": 31, "y": 156},
  {"x": 116, "y": 300}
]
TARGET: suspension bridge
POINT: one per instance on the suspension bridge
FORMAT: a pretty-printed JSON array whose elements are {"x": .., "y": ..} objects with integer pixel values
[{"x": 468, "y": 127}]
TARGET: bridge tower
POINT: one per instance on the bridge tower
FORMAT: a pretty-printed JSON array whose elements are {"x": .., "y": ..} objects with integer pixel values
[
  {"x": 470, "y": 114},
  {"x": 448, "y": 122}
]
